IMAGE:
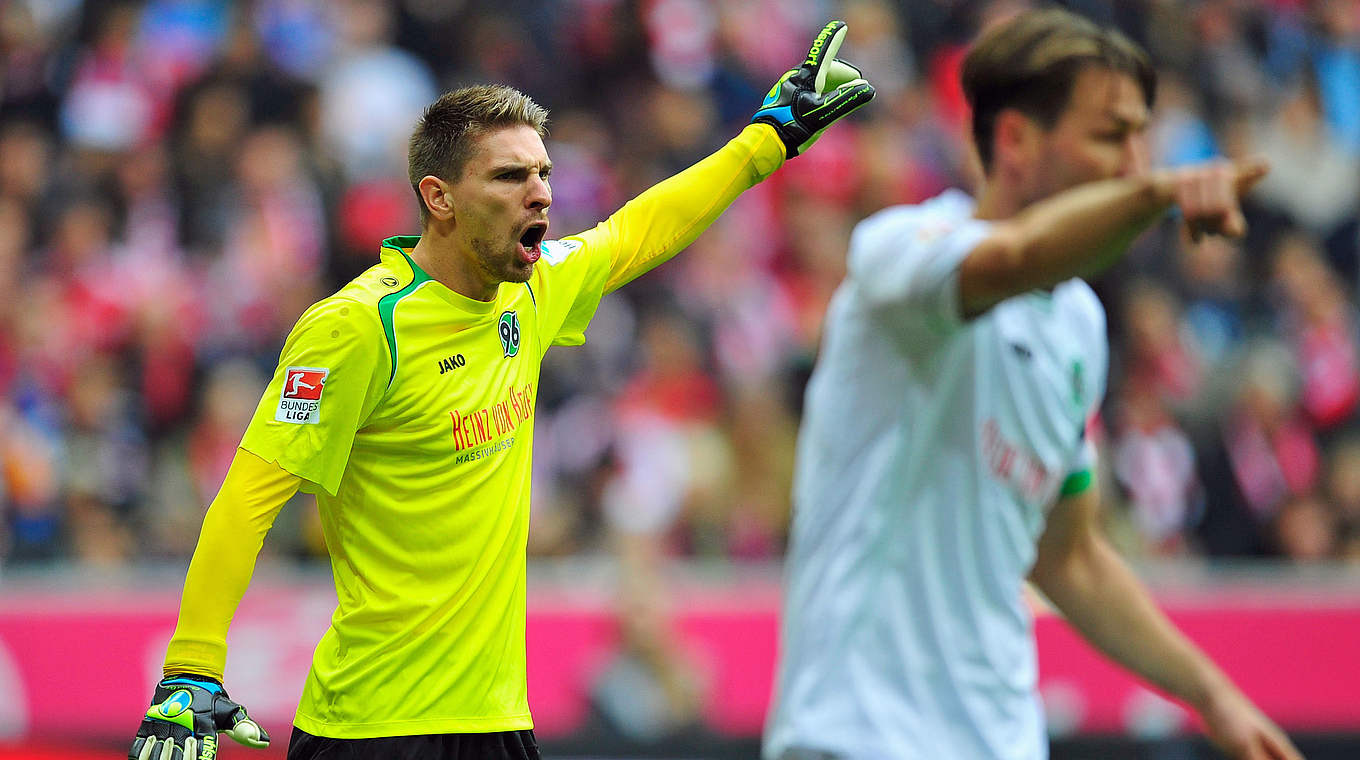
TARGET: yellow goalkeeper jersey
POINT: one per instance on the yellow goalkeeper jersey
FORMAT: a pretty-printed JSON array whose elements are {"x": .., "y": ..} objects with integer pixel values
[
  {"x": 410, "y": 407},
  {"x": 409, "y": 410}
]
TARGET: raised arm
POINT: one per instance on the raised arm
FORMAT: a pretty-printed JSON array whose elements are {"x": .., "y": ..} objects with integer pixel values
[
  {"x": 1083, "y": 230},
  {"x": 805, "y": 101},
  {"x": 667, "y": 217}
]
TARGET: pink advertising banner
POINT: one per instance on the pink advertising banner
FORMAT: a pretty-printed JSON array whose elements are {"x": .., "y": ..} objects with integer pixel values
[{"x": 1297, "y": 655}]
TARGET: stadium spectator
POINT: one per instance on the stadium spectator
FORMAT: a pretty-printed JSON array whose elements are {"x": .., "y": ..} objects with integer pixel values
[
  {"x": 1263, "y": 454},
  {"x": 1304, "y": 530},
  {"x": 1154, "y": 462},
  {"x": 1319, "y": 323}
]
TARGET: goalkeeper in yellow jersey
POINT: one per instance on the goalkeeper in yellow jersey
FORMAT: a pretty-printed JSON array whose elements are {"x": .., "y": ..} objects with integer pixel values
[{"x": 405, "y": 402}]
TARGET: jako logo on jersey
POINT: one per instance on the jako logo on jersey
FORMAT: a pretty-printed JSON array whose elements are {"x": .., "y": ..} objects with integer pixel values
[
  {"x": 300, "y": 402},
  {"x": 509, "y": 332},
  {"x": 451, "y": 363},
  {"x": 176, "y": 704}
]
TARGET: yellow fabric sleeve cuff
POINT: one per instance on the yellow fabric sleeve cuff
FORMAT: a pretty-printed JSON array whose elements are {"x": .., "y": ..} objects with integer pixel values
[{"x": 233, "y": 532}]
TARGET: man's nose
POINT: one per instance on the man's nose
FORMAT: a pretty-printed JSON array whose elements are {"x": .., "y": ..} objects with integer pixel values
[
  {"x": 1135, "y": 156},
  {"x": 540, "y": 193}
]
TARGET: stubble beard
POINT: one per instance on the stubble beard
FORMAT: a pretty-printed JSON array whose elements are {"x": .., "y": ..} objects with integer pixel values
[{"x": 501, "y": 267}]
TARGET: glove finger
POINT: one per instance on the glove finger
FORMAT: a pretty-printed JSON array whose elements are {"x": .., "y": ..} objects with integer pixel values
[
  {"x": 840, "y": 72},
  {"x": 823, "y": 49},
  {"x": 168, "y": 751},
  {"x": 141, "y": 748},
  {"x": 842, "y": 101},
  {"x": 191, "y": 749},
  {"x": 249, "y": 733},
  {"x": 849, "y": 97}
]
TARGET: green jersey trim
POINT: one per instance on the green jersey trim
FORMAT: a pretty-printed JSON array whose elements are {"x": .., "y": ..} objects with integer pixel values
[
  {"x": 1076, "y": 483},
  {"x": 387, "y": 304}
]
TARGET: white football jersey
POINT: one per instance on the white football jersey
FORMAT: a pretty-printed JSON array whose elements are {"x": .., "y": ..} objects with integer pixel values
[{"x": 930, "y": 451}]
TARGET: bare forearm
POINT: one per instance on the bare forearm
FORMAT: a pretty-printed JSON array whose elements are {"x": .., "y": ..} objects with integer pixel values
[
  {"x": 1102, "y": 598},
  {"x": 1085, "y": 229},
  {"x": 1108, "y": 605},
  {"x": 1075, "y": 233}
]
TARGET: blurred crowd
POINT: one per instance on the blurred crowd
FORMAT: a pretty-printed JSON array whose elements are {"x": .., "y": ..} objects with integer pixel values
[{"x": 179, "y": 179}]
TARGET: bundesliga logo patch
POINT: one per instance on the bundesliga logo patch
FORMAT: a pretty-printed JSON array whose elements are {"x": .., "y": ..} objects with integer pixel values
[{"x": 300, "y": 402}]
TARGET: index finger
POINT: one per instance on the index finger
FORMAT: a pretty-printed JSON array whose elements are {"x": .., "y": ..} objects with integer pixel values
[
  {"x": 823, "y": 49},
  {"x": 1282, "y": 748},
  {"x": 1249, "y": 172}
]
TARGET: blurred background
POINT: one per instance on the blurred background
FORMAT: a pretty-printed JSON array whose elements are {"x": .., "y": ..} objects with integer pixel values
[{"x": 179, "y": 179}]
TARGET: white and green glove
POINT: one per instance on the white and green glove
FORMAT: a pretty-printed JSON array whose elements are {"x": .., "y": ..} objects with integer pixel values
[
  {"x": 185, "y": 716},
  {"x": 808, "y": 99}
]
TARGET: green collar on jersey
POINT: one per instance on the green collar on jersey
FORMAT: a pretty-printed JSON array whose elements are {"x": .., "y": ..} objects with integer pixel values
[
  {"x": 398, "y": 242},
  {"x": 388, "y": 303}
]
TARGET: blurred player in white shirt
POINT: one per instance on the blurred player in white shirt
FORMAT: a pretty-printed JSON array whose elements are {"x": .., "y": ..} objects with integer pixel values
[{"x": 942, "y": 458}]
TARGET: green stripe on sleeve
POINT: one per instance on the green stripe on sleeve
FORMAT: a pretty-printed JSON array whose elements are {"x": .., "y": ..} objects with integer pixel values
[{"x": 1075, "y": 483}]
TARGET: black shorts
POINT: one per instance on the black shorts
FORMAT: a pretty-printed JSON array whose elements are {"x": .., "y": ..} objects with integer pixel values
[{"x": 501, "y": 745}]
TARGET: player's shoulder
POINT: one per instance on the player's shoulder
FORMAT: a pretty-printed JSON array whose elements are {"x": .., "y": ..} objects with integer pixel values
[
  {"x": 394, "y": 274},
  {"x": 918, "y": 223},
  {"x": 1082, "y": 297},
  {"x": 1084, "y": 311},
  {"x": 376, "y": 283},
  {"x": 347, "y": 309}
]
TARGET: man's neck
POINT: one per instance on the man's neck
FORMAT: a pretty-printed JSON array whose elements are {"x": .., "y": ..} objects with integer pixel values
[
  {"x": 439, "y": 256},
  {"x": 996, "y": 202}
]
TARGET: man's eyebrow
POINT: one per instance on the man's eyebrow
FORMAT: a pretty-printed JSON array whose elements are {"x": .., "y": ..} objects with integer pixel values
[
  {"x": 1122, "y": 121},
  {"x": 516, "y": 166}
]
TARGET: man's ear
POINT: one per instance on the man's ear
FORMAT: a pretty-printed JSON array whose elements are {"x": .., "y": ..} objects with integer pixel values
[
  {"x": 435, "y": 192},
  {"x": 1015, "y": 140}
]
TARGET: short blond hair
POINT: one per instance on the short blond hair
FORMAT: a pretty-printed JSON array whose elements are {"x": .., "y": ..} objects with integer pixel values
[
  {"x": 1031, "y": 62},
  {"x": 442, "y": 140}
]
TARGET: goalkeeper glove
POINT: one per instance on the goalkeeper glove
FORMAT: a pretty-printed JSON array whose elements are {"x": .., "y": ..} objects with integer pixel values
[
  {"x": 185, "y": 715},
  {"x": 808, "y": 99}
]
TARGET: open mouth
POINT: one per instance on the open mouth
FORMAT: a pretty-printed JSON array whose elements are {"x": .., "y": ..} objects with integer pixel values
[{"x": 532, "y": 241}]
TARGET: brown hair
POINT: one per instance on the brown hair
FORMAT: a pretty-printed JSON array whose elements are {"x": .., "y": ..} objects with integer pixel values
[
  {"x": 442, "y": 140},
  {"x": 1031, "y": 62}
]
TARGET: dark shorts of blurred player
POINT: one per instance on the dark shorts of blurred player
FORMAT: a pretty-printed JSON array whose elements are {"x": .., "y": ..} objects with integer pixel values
[{"x": 499, "y": 745}]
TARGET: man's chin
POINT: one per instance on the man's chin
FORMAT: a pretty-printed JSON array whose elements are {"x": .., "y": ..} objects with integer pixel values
[{"x": 520, "y": 271}]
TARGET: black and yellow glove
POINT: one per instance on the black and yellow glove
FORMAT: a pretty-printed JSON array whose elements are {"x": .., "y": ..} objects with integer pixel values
[
  {"x": 186, "y": 714},
  {"x": 808, "y": 99}
]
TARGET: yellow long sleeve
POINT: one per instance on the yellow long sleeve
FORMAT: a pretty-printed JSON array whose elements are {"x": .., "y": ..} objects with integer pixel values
[
  {"x": 233, "y": 532},
  {"x": 664, "y": 219}
]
